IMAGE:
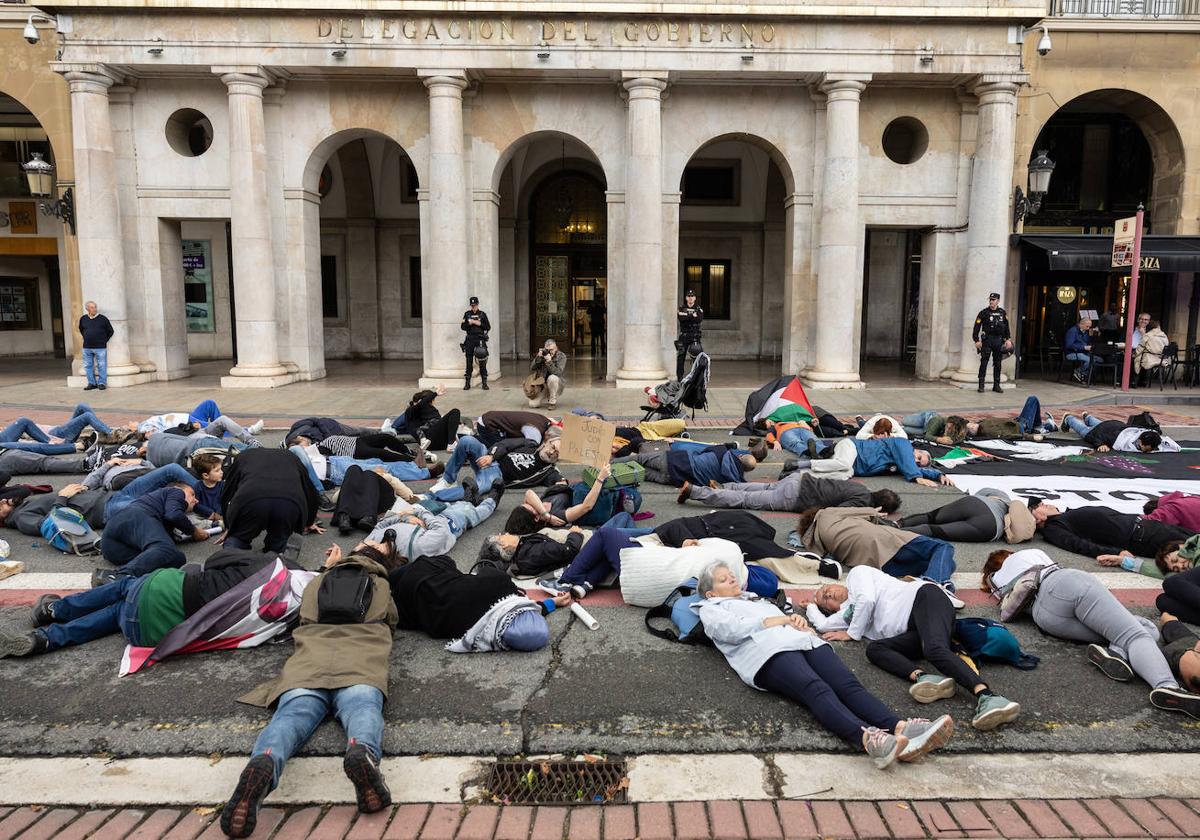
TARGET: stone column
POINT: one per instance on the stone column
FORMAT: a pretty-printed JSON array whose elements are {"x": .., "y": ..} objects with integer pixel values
[
  {"x": 98, "y": 220},
  {"x": 485, "y": 217},
  {"x": 988, "y": 227},
  {"x": 839, "y": 282},
  {"x": 255, "y": 300},
  {"x": 444, "y": 272},
  {"x": 642, "y": 353}
]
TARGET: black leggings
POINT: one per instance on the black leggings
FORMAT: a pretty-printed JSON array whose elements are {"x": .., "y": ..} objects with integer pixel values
[
  {"x": 1181, "y": 595},
  {"x": 829, "y": 426},
  {"x": 930, "y": 627},
  {"x": 380, "y": 445},
  {"x": 968, "y": 519},
  {"x": 442, "y": 430},
  {"x": 363, "y": 494},
  {"x": 280, "y": 518}
]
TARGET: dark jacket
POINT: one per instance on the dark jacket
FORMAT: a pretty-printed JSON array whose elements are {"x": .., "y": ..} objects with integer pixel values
[
  {"x": 222, "y": 572},
  {"x": 716, "y": 463},
  {"x": 95, "y": 331},
  {"x": 1075, "y": 341},
  {"x": 752, "y": 535},
  {"x": 520, "y": 465},
  {"x": 476, "y": 333},
  {"x": 990, "y": 323},
  {"x": 433, "y": 596},
  {"x": 1091, "y": 531},
  {"x": 1105, "y": 434},
  {"x": 690, "y": 318},
  {"x": 831, "y": 492},
  {"x": 537, "y": 554},
  {"x": 261, "y": 473},
  {"x": 419, "y": 413},
  {"x": 168, "y": 505},
  {"x": 317, "y": 429},
  {"x": 28, "y": 515},
  {"x": 508, "y": 423}
]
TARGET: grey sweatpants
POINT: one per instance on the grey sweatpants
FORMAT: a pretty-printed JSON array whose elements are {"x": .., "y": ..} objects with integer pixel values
[
  {"x": 225, "y": 426},
  {"x": 22, "y": 462},
  {"x": 654, "y": 462},
  {"x": 778, "y": 495},
  {"x": 1072, "y": 604}
]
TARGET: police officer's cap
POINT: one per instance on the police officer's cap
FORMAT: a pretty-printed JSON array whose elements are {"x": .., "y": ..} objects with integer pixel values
[
  {"x": 994, "y": 296},
  {"x": 689, "y": 293},
  {"x": 473, "y": 301}
]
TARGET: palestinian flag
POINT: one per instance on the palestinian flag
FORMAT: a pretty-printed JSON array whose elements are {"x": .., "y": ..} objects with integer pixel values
[{"x": 781, "y": 399}]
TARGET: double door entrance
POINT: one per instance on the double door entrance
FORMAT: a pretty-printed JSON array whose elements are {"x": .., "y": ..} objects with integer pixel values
[{"x": 570, "y": 301}]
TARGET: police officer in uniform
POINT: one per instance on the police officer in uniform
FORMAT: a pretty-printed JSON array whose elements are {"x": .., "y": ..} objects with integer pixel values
[
  {"x": 992, "y": 338},
  {"x": 690, "y": 317},
  {"x": 476, "y": 325}
]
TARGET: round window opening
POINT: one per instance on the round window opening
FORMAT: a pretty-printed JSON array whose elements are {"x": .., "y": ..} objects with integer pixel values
[
  {"x": 905, "y": 140},
  {"x": 189, "y": 132}
]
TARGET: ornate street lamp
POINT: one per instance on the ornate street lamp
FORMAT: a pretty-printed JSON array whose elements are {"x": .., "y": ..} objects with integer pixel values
[
  {"x": 1040, "y": 170},
  {"x": 40, "y": 175}
]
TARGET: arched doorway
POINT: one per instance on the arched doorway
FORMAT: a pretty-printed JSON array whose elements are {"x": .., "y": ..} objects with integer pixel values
[{"x": 568, "y": 241}]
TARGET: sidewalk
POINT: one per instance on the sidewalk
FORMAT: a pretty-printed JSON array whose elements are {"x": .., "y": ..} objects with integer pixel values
[{"x": 752, "y": 820}]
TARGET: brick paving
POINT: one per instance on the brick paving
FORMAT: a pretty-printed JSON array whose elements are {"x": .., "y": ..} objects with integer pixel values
[{"x": 755, "y": 820}]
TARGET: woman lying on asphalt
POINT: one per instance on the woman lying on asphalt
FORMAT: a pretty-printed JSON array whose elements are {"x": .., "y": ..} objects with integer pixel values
[
  {"x": 1075, "y": 605},
  {"x": 780, "y": 653}
]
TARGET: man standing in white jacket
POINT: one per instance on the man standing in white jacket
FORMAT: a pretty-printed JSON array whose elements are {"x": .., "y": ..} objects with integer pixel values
[{"x": 905, "y": 621}]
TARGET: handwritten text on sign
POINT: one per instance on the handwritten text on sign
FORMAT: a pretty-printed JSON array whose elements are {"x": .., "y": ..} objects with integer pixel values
[{"x": 587, "y": 440}]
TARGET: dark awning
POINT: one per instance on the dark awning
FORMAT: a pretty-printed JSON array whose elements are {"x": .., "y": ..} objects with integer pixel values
[{"x": 1094, "y": 253}]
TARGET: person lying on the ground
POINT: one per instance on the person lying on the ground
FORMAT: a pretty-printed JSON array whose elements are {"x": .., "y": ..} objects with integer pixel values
[
  {"x": 754, "y": 536},
  {"x": 68, "y": 432},
  {"x": 1116, "y": 436},
  {"x": 364, "y": 497},
  {"x": 792, "y": 435},
  {"x": 795, "y": 492},
  {"x": 880, "y": 426},
  {"x": 340, "y": 666},
  {"x": 39, "y": 442},
  {"x": 935, "y": 427},
  {"x": 904, "y": 621},
  {"x": 515, "y": 462},
  {"x": 119, "y": 469},
  {"x": 484, "y": 611},
  {"x": 144, "y": 608},
  {"x": 419, "y": 533},
  {"x": 1103, "y": 533},
  {"x": 205, "y": 417},
  {"x": 1073, "y": 604},
  {"x": 422, "y": 420},
  {"x": 493, "y": 426},
  {"x": 529, "y": 555},
  {"x": 137, "y": 539},
  {"x": 569, "y": 504},
  {"x": 1180, "y": 595},
  {"x": 878, "y": 456},
  {"x": 381, "y": 446},
  {"x": 1172, "y": 557},
  {"x": 694, "y": 463},
  {"x": 330, "y": 470},
  {"x": 862, "y": 537},
  {"x": 316, "y": 429},
  {"x": 266, "y": 492},
  {"x": 1175, "y": 508},
  {"x": 780, "y": 653},
  {"x": 165, "y": 448},
  {"x": 630, "y": 439},
  {"x": 986, "y": 516},
  {"x": 1181, "y": 647},
  {"x": 19, "y": 462}
]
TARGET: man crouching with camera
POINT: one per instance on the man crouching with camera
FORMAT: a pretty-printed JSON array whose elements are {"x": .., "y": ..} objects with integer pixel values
[{"x": 547, "y": 365}]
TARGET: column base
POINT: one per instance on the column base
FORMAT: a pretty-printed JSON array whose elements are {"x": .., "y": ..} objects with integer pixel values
[
  {"x": 115, "y": 380},
  {"x": 832, "y": 381},
  {"x": 641, "y": 378},
  {"x": 269, "y": 376}
]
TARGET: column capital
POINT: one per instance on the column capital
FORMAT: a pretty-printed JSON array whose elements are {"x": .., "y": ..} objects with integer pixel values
[
  {"x": 644, "y": 84},
  {"x": 245, "y": 79},
  {"x": 88, "y": 78},
  {"x": 843, "y": 86},
  {"x": 444, "y": 82},
  {"x": 122, "y": 94},
  {"x": 995, "y": 87}
]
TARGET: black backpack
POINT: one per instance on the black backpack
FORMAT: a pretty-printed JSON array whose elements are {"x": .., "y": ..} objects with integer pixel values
[
  {"x": 1144, "y": 420},
  {"x": 344, "y": 595}
]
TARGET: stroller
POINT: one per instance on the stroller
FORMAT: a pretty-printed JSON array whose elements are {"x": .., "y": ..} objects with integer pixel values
[{"x": 668, "y": 400}]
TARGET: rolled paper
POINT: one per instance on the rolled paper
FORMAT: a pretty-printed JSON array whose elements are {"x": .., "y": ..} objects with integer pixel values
[{"x": 584, "y": 616}]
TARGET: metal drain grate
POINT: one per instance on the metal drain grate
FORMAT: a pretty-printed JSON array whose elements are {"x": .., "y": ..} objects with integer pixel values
[{"x": 557, "y": 782}]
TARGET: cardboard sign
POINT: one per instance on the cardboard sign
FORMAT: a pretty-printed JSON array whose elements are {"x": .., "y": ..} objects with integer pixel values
[{"x": 587, "y": 440}]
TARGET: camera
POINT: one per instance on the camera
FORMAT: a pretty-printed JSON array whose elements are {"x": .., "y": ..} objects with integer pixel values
[
  {"x": 1044, "y": 46},
  {"x": 30, "y": 33}
]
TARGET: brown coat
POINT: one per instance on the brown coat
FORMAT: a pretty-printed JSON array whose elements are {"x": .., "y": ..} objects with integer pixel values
[
  {"x": 337, "y": 655},
  {"x": 854, "y": 537}
]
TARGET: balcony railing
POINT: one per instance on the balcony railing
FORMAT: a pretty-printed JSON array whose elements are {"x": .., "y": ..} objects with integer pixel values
[{"x": 1127, "y": 9}]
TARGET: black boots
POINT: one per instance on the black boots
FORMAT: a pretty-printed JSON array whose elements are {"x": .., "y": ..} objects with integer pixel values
[
  {"x": 484, "y": 385},
  {"x": 981, "y": 388},
  {"x": 467, "y": 383}
]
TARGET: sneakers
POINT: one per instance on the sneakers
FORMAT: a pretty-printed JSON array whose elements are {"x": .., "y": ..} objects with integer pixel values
[
  {"x": 882, "y": 747},
  {"x": 992, "y": 710},
  {"x": 829, "y": 568},
  {"x": 100, "y": 577},
  {"x": 1049, "y": 423},
  {"x": 949, "y": 588},
  {"x": 256, "y": 427},
  {"x": 326, "y": 503},
  {"x": 431, "y": 458},
  {"x": 440, "y": 484},
  {"x": 932, "y": 687},
  {"x": 578, "y": 590},
  {"x": 1111, "y": 665},
  {"x": 386, "y": 425},
  {"x": 925, "y": 736},
  {"x": 362, "y": 769},
  {"x": 23, "y": 644},
  {"x": 685, "y": 493},
  {"x": 1077, "y": 375},
  {"x": 240, "y": 814},
  {"x": 42, "y": 614},
  {"x": 1174, "y": 700},
  {"x": 89, "y": 387}
]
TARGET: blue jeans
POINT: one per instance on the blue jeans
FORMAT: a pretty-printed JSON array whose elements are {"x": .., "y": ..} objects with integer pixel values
[
  {"x": 599, "y": 558},
  {"x": 1084, "y": 359},
  {"x": 10, "y": 438},
  {"x": 96, "y": 613},
  {"x": 81, "y": 419},
  {"x": 1080, "y": 426},
  {"x": 358, "y": 708},
  {"x": 148, "y": 483},
  {"x": 97, "y": 358},
  {"x": 623, "y": 522},
  {"x": 463, "y": 516},
  {"x": 923, "y": 557},
  {"x": 914, "y": 424},
  {"x": 138, "y": 543},
  {"x": 1030, "y": 418},
  {"x": 796, "y": 441},
  {"x": 468, "y": 451},
  {"x": 403, "y": 470},
  {"x": 204, "y": 413},
  {"x": 299, "y": 452}
]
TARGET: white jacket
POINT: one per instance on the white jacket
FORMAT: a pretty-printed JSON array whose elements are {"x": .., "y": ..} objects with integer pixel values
[
  {"x": 878, "y": 606},
  {"x": 649, "y": 573},
  {"x": 735, "y": 626}
]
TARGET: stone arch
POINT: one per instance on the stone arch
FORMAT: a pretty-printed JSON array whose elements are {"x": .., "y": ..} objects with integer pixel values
[
  {"x": 527, "y": 140},
  {"x": 321, "y": 153},
  {"x": 773, "y": 152}
]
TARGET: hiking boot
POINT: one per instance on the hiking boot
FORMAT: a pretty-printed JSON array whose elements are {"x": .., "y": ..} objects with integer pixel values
[
  {"x": 981, "y": 388},
  {"x": 932, "y": 687},
  {"x": 100, "y": 577},
  {"x": 362, "y": 769},
  {"x": 23, "y": 644},
  {"x": 997, "y": 389},
  {"x": 1111, "y": 665},
  {"x": 829, "y": 568},
  {"x": 992, "y": 710},
  {"x": 811, "y": 447},
  {"x": 882, "y": 747},
  {"x": 240, "y": 814},
  {"x": 685, "y": 492},
  {"x": 485, "y": 387},
  {"x": 467, "y": 384},
  {"x": 1176, "y": 700},
  {"x": 42, "y": 614},
  {"x": 341, "y": 521},
  {"x": 925, "y": 736}
]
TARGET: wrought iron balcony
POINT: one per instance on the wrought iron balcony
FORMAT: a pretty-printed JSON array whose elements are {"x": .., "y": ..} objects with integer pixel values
[{"x": 1127, "y": 9}]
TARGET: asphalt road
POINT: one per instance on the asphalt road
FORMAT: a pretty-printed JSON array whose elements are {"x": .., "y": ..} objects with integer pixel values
[{"x": 615, "y": 690}]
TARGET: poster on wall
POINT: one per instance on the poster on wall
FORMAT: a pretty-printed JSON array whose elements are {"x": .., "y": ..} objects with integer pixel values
[{"x": 197, "y": 285}]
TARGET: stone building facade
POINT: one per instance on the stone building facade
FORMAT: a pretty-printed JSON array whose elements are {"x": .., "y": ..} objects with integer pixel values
[{"x": 837, "y": 181}]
